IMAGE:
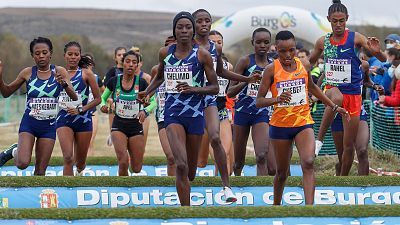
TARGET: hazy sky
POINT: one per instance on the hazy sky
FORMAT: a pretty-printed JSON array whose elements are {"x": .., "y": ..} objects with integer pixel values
[{"x": 375, "y": 12}]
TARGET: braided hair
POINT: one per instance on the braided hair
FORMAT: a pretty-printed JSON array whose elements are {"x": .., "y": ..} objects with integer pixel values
[{"x": 337, "y": 6}]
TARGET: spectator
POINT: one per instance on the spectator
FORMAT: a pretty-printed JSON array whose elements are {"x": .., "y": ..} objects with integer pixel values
[
  {"x": 394, "y": 99},
  {"x": 391, "y": 41}
]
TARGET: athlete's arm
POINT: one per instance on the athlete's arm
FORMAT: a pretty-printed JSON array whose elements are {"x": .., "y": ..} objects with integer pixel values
[
  {"x": 212, "y": 88},
  {"x": 153, "y": 71},
  {"x": 266, "y": 81},
  {"x": 8, "y": 89},
  {"x": 234, "y": 86},
  {"x": 90, "y": 79},
  {"x": 320, "y": 80},
  {"x": 318, "y": 50},
  {"x": 227, "y": 74},
  {"x": 158, "y": 79},
  {"x": 62, "y": 77},
  {"x": 104, "y": 97},
  {"x": 372, "y": 44}
]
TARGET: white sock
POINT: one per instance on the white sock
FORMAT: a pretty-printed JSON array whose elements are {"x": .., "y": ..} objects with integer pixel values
[{"x": 14, "y": 152}]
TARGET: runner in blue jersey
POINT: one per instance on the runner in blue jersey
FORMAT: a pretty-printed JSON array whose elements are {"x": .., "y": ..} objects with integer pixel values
[
  {"x": 74, "y": 120},
  {"x": 44, "y": 82},
  {"x": 247, "y": 115},
  {"x": 182, "y": 66},
  {"x": 159, "y": 114},
  {"x": 343, "y": 74},
  {"x": 203, "y": 23},
  {"x": 225, "y": 126}
]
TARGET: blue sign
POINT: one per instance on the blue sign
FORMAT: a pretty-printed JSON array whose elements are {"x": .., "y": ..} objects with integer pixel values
[
  {"x": 219, "y": 221},
  {"x": 112, "y": 197},
  {"x": 158, "y": 171}
]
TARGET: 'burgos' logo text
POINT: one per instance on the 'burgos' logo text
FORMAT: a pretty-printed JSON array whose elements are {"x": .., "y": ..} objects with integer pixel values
[{"x": 286, "y": 20}]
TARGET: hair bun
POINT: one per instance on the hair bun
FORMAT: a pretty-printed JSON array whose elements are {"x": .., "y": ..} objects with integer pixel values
[{"x": 336, "y": 2}]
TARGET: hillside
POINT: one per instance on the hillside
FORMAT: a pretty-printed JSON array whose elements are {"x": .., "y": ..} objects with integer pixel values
[{"x": 107, "y": 28}]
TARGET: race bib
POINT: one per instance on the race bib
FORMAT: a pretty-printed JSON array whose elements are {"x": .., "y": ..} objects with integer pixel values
[
  {"x": 161, "y": 102},
  {"x": 175, "y": 74},
  {"x": 297, "y": 88},
  {"x": 43, "y": 108},
  {"x": 338, "y": 71},
  {"x": 127, "y": 109},
  {"x": 64, "y": 101},
  {"x": 223, "y": 84},
  {"x": 90, "y": 97}
]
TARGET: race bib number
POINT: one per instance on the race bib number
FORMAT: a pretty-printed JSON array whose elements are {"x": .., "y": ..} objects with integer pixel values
[
  {"x": 338, "y": 71},
  {"x": 161, "y": 102},
  {"x": 43, "y": 108},
  {"x": 90, "y": 97},
  {"x": 64, "y": 101},
  {"x": 223, "y": 84},
  {"x": 298, "y": 90},
  {"x": 127, "y": 109},
  {"x": 252, "y": 89},
  {"x": 175, "y": 74}
]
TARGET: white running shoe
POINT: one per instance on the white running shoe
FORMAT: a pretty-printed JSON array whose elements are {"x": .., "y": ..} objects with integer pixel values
[
  {"x": 318, "y": 146},
  {"x": 109, "y": 141},
  {"x": 229, "y": 196},
  {"x": 78, "y": 174}
]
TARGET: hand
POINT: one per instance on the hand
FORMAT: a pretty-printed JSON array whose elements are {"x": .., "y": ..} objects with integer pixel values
[
  {"x": 344, "y": 113},
  {"x": 60, "y": 78},
  {"x": 285, "y": 97},
  {"x": 141, "y": 116},
  {"x": 374, "y": 44},
  {"x": 104, "y": 109},
  {"x": 142, "y": 97},
  {"x": 255, "y": 77},
  {"x": 72, "y": 111},
  {"x": 184, "y": 87},
  {"x": 379, "y": 88},
  {"x": 381, "y": 99}
]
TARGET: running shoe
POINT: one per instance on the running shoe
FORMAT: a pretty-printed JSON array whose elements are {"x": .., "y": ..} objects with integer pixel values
[
  {"x": 109, "y": 141},
  {"x": 318, "y": 146},
  {"x": 229, "y": 196},
  {"x": 6, "y": 155},
  {"x": 78, "y": 174}
]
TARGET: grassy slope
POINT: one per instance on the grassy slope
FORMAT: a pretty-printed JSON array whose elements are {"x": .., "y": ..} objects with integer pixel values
[{"x": 199, "y": 181}]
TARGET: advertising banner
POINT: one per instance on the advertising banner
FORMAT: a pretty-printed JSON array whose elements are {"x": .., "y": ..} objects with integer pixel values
[{"x": 112, "y": 197}]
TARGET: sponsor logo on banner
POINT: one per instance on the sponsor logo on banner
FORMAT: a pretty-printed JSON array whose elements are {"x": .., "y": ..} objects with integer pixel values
[
  {"x": 119, "y": 223},
  {"x": 48, "y": 199},
  {"x": 3, "y": 202},
  {"x": 286, "y": 20}
]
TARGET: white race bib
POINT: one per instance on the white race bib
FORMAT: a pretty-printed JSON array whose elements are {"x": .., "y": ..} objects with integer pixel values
[
  {"x": 223, "y": 84},
  {"x": 91, "y": 97},
  {"x": 161, "y": 102},
  {"x": 297, "y": 88},
  {"x": 64, "y": 101},
  {"x": 338, "y": 71},
  {"x": 127, "y": 109},
  {"x": 43, "y": 108},
  {"x": 173, "y": 74}
]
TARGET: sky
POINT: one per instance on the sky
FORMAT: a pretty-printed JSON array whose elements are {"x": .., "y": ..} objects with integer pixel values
[{"x": 362, "y": 12}]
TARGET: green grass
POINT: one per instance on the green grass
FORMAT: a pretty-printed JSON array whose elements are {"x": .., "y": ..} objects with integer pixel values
[
  {"x": 199, "y": 181},
  {"x": 204, "y": 212}
]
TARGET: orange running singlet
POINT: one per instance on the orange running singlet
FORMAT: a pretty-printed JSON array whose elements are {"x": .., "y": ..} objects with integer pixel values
[{"x": 296, "y": 113}]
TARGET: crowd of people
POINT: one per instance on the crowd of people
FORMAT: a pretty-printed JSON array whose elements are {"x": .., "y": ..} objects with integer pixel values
[{"x": 203, "y": 105}]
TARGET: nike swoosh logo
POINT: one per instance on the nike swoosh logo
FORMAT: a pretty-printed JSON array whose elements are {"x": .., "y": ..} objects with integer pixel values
[
  {"x": 51, "y": 124},
  {"x": 51, "y": 85},
  {"x": 344, "y": 50},
  {"x": 186, "y": 64}
]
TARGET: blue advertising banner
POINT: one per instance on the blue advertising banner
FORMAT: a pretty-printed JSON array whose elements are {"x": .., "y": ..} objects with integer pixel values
[
  {"x": 112, "y": 197},
  {"x": 220, "y": 221},
  {"x": 158, "y": 171}
]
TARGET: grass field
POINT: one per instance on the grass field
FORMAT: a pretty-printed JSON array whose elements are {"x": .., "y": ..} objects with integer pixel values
[{"x": 204, "y": 212}]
